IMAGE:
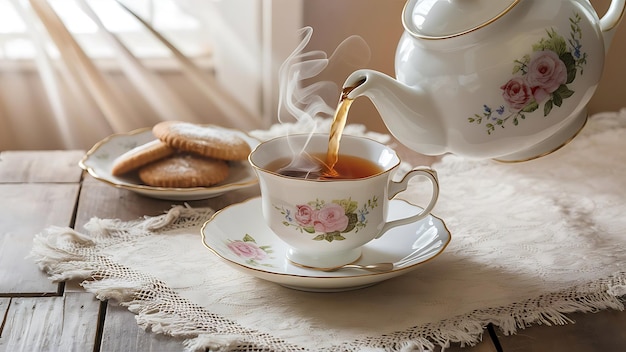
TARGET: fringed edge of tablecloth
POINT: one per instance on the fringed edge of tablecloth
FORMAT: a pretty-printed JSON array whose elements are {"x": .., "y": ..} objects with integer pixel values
[{"x": 65, "y": 255}]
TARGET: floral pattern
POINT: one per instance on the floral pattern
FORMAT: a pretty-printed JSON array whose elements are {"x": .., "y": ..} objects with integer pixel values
[
  {"x": 250, "y": 251},
  {"x": 328, "y": 220},
  {"x": 541, "y": 78}
]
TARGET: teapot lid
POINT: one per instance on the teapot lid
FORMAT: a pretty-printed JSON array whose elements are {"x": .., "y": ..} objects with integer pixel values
[{"x": 441, "y": 19}]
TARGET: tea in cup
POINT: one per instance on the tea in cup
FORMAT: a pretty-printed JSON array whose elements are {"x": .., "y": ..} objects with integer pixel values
[{"x": 326, "y": 218}]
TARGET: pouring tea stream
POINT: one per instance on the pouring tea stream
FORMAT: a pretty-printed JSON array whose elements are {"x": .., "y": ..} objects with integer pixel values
[{"x": 491, "y": 79}]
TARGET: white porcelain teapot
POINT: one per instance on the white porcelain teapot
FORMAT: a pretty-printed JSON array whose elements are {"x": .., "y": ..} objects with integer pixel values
[{"x": 501, "y": 79}]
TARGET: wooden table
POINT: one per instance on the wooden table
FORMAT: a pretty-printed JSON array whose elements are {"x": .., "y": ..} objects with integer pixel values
[{"x": 40, "y": 189}]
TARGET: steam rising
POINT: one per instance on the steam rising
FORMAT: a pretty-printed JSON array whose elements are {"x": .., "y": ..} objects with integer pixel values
[
  {"x": 299, "y": 101},
  {"x": 310, "y": 87}
]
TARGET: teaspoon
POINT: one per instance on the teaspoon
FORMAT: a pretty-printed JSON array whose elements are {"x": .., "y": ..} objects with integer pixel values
[{"x": 377, "y": 267}]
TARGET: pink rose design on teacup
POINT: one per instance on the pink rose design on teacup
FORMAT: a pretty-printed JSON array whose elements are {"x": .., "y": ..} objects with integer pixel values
[
  {"x": 305, "y": 215},
  {"x": 329, "y": 221},
  {"x": 332, "y": 217},
  {"x": 546, "y": 73},
  {"x": 248, "y": 250}
]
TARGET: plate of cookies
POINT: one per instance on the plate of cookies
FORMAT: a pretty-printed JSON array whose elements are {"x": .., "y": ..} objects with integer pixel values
[{"x": 174, "y": 160}]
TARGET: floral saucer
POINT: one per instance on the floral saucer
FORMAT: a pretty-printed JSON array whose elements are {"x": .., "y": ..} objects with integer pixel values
[
  {"x": 238, "y": 235},
  {"x": 99, "y": 160}
]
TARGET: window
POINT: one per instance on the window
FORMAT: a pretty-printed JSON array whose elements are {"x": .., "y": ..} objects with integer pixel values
[
  {"x": 61, "y": 70},
  {"x": 182, "y": 29}
]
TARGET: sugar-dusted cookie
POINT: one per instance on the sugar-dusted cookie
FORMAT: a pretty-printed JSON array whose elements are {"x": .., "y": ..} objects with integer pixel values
[
  {"x": 140, "y": 156},
  {"x": 184, "y": 170},
  {"x": 208, "y": 141}
]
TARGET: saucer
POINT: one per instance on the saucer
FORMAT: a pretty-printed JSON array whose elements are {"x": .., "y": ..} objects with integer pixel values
[
  {"x": 239, "y": 236},
  {"x": 99, "y": 160}
]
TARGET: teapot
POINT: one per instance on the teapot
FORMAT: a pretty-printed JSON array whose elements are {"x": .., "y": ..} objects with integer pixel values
[{"x": 491, "y": 79}]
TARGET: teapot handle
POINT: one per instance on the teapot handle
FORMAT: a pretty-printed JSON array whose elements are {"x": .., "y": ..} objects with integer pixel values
[
  {"x": 610, "y": 20},
  {"x": 613, "y": 15}
]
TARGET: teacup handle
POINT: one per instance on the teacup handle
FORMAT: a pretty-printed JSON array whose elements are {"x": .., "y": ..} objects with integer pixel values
[{"x": 396, "y": 187}]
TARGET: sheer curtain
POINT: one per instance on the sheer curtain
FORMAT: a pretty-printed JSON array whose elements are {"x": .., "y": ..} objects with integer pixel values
[{"x": 57, "y": 92}]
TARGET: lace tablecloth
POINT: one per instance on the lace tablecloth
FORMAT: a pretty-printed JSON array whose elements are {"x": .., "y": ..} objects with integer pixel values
[{"x": 531, "y": 242}]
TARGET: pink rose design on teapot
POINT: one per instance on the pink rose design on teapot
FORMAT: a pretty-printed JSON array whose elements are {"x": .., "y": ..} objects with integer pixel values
[
  {"x": 546, "y": 73},
  {"x": 543, "y": 78},
  {"x": 516, "y": 93}
]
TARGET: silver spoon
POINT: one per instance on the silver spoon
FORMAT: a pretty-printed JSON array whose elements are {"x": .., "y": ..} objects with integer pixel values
[
  {"x": 380, "y": 267},
  {"x": 376, "y": 267}
]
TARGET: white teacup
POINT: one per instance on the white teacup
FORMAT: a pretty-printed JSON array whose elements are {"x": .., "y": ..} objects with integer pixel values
[{"x": 325, "y": 223}]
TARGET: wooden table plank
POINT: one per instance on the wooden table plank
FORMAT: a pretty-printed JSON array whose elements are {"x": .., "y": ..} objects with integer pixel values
[
  {"x": 40, "y": 166},
  {"x": 121, "y": 333},
  {"x": 101, "y": 200},
  {"x": 4, "y": 307},
  {"x": 486, "y": 345},
  {"x": 25, "y": 210},
  {"x": 67, "y": 323},
  {"x": 601, "y": 331},
  {"x": 98, "y": 199}
]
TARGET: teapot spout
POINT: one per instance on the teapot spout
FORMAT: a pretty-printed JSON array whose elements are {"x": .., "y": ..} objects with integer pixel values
[{"x": 408, "y": 112}]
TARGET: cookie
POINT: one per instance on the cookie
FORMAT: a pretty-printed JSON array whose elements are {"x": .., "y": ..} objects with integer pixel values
[
  {"x": 207, "y": 141},
  {"x": 140, "y": 156},
  {"x": 184, "y": 171}
]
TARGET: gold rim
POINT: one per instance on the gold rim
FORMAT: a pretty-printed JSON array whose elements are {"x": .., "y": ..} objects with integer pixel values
[
  {"x": 566, "y": 142},
  {"x": 448, "y": 36},
  {"x": 309, "y": 277},
  {"x": 145, "y": 189},
  {"x": 259, "y": 168}
]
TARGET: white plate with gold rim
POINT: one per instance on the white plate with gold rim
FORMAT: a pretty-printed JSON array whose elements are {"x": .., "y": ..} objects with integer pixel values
[
  {"x": 99, "y": 160},
  {"x": 239, "y": 236}
]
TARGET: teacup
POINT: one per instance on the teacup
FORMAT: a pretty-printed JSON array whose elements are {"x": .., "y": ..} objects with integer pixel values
[{"x": 326, "y": 222}]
